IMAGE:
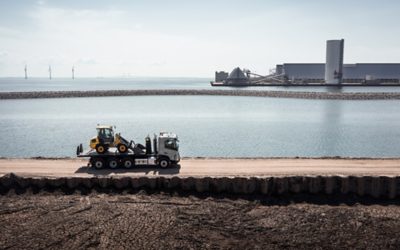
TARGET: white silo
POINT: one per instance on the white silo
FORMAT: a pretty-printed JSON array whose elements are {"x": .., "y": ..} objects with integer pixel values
[{"x": 334, "y": 61}]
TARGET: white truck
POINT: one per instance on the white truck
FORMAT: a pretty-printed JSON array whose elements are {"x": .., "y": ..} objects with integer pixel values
[{"x": 163, "y": 152}]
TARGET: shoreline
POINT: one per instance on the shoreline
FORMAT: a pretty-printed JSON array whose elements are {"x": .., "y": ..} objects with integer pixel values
[{"x": 204, "y": 92}]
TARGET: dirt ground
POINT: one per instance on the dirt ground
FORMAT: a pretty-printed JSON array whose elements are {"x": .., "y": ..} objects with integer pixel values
[{"x": 165, "y": 221}]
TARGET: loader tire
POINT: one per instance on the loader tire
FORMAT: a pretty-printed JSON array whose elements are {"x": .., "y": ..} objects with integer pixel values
[
  {"x": 101, "y": 149},
  {"x": 122, "y": 148}
]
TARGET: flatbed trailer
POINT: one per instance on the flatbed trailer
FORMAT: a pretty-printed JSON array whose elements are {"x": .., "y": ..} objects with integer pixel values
[
  {"x": 164, "y": 152},
  {"x": 114, "y": 159}
]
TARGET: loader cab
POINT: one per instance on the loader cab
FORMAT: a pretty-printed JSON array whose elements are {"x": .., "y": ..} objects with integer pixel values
[
  {"x": 168, "y": 145},
  {"x": 105, "y": 134}
]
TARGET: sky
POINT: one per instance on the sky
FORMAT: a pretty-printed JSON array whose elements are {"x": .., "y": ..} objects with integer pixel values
[{"x": 179, "y": 38}]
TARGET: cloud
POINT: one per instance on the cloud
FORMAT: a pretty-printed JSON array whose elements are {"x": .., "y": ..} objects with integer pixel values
[
  {"x": 89, "y": 61},
  {"x": 3, "y": 54}
]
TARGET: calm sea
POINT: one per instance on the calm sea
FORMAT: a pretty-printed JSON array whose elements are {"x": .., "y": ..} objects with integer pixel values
[
  {"x": 60, "y": 84},
  {"x": 206, "y": 125}
]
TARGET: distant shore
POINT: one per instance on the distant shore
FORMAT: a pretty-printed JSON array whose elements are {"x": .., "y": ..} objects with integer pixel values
[{"x": 255, "y": 93}]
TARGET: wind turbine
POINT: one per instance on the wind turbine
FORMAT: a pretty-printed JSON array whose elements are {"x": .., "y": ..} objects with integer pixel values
[
  {"x": 73, "y": 72},
  {"x": 49, "y": 72},
  {"x": 26, "y": 72}
]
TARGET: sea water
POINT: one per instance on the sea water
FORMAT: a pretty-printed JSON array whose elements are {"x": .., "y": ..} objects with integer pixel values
[{"x": 208, "y": 126}]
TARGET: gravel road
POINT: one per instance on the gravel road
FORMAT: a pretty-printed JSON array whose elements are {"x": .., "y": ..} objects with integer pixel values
[{"x": 210, "y": 167}]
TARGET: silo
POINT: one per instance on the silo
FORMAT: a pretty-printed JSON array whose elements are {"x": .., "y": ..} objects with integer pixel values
[{"x": 334, "y": 61}]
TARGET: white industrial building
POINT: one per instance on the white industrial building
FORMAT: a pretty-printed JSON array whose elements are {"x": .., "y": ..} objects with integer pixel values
[
  {"x": 352, "y": 73},
  {"x": 335, "y": 72}
]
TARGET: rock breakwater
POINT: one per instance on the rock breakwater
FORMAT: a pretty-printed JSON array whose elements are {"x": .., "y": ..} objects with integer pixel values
[{"x": 254, "y": 93}]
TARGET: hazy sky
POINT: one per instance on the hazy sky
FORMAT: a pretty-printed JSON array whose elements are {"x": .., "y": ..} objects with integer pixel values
[{"x": 189, "y": 38}]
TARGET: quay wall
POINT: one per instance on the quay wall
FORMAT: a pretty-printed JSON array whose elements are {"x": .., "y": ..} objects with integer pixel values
[
  {"x": 364, "y": 186},
  {"x": 255, "y": 93}
]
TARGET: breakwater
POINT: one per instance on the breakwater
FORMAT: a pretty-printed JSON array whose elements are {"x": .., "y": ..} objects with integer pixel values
[
  {"x": 363, "y": 186},
  {"x": 255, "y": 93}
]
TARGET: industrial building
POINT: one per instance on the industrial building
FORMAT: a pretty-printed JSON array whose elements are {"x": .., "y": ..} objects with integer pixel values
[
  {"x": 373, "y": 73},
  {"x": 335, "y": 72},
  {"x": 332, "y": 72}
]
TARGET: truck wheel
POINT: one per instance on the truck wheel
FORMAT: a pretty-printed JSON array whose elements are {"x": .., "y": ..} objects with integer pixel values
[
  {"x": 122, "y": 148},
  {"x": 112, "y": 163},
  {"x": 163, "y": 163},
  {"x": 127, "y": 163},
  {"x": 100, "y": 149},
  {"x": 98, "y": 163}
]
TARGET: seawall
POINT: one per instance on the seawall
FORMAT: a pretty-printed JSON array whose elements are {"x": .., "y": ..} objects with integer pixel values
[
  {"x": 382, "y": 187},
  {"x": 276, "y": 94}
]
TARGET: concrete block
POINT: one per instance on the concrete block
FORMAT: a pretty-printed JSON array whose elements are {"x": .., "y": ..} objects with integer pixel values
[
  {"x": 134, "y": 182},
  {"x": 56, "y": 182},
  {"x": 384, "y": 186},
  {"x": 39, "y": 182},
  {"x": 217, "y": 185},
  {"x": 353, "y": 185},
  {"x": 344, "y": 185},
  {"x": 393, "y": 187},
  {"x": 263, "y": 184},
  {"x": 103, "y": 182},
  {"x": 175, "y": 182},
  {"x": 143, "y": 182},
  {"x": 360, "y": 185},
  {"x": 331, "y": 184},
  {"x": 314, "y": 184},
  {"x": 87, "y": 182},
  {"x": 72, "y": 182},
  {"x": 281, "y": 185},
  {"x": 202, "y": 184},
  {"x": 188, "y": 184},
  {"x": 239, "y": 185},
  {"x": 121, "y": 183},
  {"x": 373, "y": 186},
  {"x": 296, "y": 184},
  {"x": 6, "y": 181},
  {"x": 152, "y": 183}
]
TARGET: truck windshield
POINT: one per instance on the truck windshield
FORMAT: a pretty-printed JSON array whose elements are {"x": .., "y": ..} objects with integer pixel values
[{"x": 172, "y": 144}]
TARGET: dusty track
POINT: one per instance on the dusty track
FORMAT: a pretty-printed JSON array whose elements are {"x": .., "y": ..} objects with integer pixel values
[{"x": 209, "y": 167}]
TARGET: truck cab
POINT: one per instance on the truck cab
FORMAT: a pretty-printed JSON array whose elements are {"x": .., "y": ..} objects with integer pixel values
[{"x": 168, "y": 147}]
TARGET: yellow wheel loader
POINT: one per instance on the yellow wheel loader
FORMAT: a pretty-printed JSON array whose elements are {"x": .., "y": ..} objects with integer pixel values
[{"x": 105, "y": 139}]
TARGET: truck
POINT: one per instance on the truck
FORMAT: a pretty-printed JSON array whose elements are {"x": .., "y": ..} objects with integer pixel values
[{"x": 162, "y": 152}]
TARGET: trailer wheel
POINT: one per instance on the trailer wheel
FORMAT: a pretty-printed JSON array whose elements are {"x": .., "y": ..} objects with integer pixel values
[
  {"x": 112, "y": 163},
  {"x": 98, "y": 163},
  {"x": 127, "y": 163},
  {"x": 122, "y": 148},
  {"x": 163, "y": 163},
  {"x": 100, "y": 149}
]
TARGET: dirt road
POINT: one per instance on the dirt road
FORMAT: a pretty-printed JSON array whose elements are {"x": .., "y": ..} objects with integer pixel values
[{"x": 209, "y": 167}]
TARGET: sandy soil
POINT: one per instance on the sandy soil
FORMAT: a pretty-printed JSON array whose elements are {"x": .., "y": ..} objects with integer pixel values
[
  {"x": 164, "y": 221},
  {"x": 210, "y": 167}
]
